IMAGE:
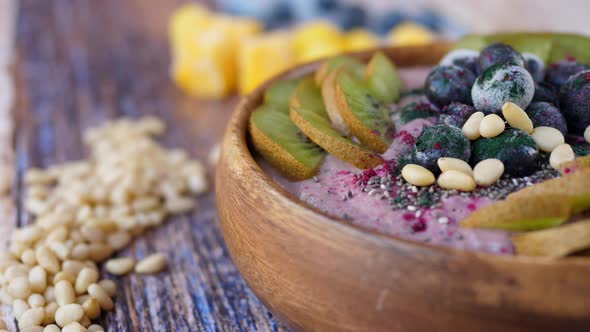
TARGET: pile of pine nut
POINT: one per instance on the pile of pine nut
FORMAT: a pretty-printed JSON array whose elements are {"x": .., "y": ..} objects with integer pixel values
[{"x": 84, "y": 212}]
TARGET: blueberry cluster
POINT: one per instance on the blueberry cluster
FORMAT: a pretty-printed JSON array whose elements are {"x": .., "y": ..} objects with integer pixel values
[{"x": 466, "y": 81}]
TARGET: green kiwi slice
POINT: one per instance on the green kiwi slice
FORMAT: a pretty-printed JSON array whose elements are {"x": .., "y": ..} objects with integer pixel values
[
  {"x": 364, "y": 114},
  {"x": 310, "y": 116},
  {"x": 283, "y": 145},
  {"x": 279, "y": 94},
  {"x": 550, "y": 47},
  {"x": 383, "y": 79},
  {"x": 343, "y": 61}
]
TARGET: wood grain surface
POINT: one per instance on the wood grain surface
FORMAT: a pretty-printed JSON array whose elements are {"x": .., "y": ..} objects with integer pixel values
[{"x": 82, "y": 62}]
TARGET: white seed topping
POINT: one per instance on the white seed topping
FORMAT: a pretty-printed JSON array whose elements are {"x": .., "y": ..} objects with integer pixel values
[
  {"x": 417, "y": 175},
  {"x": 561, "y": 154},
  {"x": 68, "y": 314},
  {"x": 119, "y": 266},
  {"x": 74, "y": 327},
  {"x": 31, "y": 317},
  {"x": 587, "y": 134},
  {"x": 491, "y": 126},
  {"x": 547, "y": 138},
  {"x": 448, "y": 164},
  {"x": 517, "y": 117},
  {"x": 51, "y": 328},
  {"x": 456, "y": 180},
  {"x": 488, "y": 171},
  {"x": 471, "y": 127},
  {"x": 151, "y": 264}
]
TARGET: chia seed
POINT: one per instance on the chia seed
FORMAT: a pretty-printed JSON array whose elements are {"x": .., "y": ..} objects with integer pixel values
[{"x": 315, "y": 179}]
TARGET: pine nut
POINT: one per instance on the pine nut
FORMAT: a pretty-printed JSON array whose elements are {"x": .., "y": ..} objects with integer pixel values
[
  {"x": 15, "y": 271},
  {"x": 47, "y": 259},
  {"x": 491, "y": 126},
  {"x": 37, "y": 176},
  {"x": 35, "y": 328},
  {"x": 68, "y": 314},
  {"x": 36, "y": 300},
  {"x": 471, "y": 127},
  {"x": 28, "y": 234},
  {"x": 214, "y": 154},
  {"x": 417, "y": 175},
  {"x": 456, "y": 180},
  {"x": 50, "y": 311},
  {"x": 101, "y": 295},
  {"x": 98, "y": 252},
  {"x": 5, "y": 298},
  {"x": 547, "y": 138},
  {"x": 562, "y": 153},
  {"x": 92, "y": 234},
  {"x": 178, "y": 204},
  {"x": 64, "y": 293},
  {"x": 31, "y": 317},
  {"x": 64, "y": 276},
  {"x": 28, "y": 257},
  {"x": 86, "y": 277},
  {"x": 95, "y": 328},
  {"x": 587, "y": 134},
  {"x": 119, "y": 240},
  {"x": 74, "y": 327},
  {"x": 488, "y": 171},
  {"x": 119, "y": 266},
  {"x": 448, "y": 163},
  {"x": 51, "y": 328},
  {"x": 19, "y": 288},
  {"x": 109, "y": 286},
  {"x": 72, "y": 267},
  {"x": 85, "y": 321},
  {"x": 60, "y": 250},
  {"x": 151, "y": 264},
  {"x": 517, "y": 117},
  {"x": 19, "y": 307},
  {"x": 49, "y": 294},
  {"x": 91, "y": 308}
]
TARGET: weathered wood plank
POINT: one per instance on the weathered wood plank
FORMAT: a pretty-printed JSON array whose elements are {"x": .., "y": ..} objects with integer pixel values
[{"x": 82, "y": 62}]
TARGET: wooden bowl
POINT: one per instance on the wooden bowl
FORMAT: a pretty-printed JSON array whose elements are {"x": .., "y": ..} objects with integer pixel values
[{"x": 319, "y": 273}]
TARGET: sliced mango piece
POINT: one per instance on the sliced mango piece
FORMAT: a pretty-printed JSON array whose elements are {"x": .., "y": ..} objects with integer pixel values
[
  {"x": 261, "y": 57},
  {"x": 185, "y": 21},
  {"x": 359, "y": 40},
  {"x": 556, "y": 242},
  {"x": 410, "y": 34},
  {"x": 522, "y": 214},
  {"x": 317, "y": 40}
]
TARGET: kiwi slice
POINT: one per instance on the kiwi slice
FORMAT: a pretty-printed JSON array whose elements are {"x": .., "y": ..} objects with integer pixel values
[
  {"x": 550, "y": 47},
  {"x": 351, "y": 64},
  {"x": 278, "y": 94},
  {"x": 311, "y": 117},
  {"x": 522, "y": 214},
  {"x": 364, "y": 114},
  {"x": 283, "y": 145},
  {"x": 383, "y": 79}
]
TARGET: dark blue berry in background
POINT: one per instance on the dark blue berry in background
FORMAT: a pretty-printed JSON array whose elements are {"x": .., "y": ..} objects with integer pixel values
[
  {"x": 545, "y": 92},
  {"x": 535, "y": 66},
  {"x": 446, "y": 84},
  {"x": 559, "y": 72},
  {"x": 499, "y": 53},
  {"x": 328, "y": 5},
  {"x": 575, "y": 102},
  {"x": 546, "y": 115},
  {"x": 351, "y": 16},
  {"x": 280, "y": 15},
  {"x": 465, "y": 58},
  {"x": 390, "y": 20},
  {"x": 455, "y": 114},
  {"x": 430, "y": 19}
]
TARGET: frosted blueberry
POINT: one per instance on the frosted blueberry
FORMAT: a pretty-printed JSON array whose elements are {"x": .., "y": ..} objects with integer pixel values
[
  {"x": 502, "y": 83},
  {"x": 463, "y": 58},
  {"x": 575, "y": 102}
]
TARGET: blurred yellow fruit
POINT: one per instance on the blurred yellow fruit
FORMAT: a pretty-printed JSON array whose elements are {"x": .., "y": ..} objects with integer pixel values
[
  {"x": 261, "y": 57},
  {"x": 359, "y": 40},
  {"x": 238, "y": 27},
  {"x": 408, "y": 34},
  {"x": 316, "y": 40},
  {"x": 185, "y": 21}
]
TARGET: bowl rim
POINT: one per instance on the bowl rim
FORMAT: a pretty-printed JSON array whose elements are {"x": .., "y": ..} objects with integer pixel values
[{"x": 238, "y": 126}]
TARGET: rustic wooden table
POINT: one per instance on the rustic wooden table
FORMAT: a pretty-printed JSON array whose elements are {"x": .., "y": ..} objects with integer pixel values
[{"x": 81, "y": 62}]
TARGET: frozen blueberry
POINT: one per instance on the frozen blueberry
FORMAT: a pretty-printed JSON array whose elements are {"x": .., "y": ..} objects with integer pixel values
[
  {"x": 440, "y": 141},
  {"x": 415, "y": 110},
  {"x": 499, "y": 53},
  {"x": 559, "y": 72},
  {"x": 463, "y": 58},
  {"x": 280, "y": 15},
  {"x": 328, "y": 5},
  {"x": 547, "y": 115},
  {"x": 389, "y": 21},
  {"x": 575, "y": 102},
  {"x": 545, "y": 92},
  {"x": 501, "y": 83},
  {"x": 535, "y": 66},
  {"x": 455, "y": 114},
  {"x": 446, "y": 84},
  {"x": 514, "y": 147},
  {"x": 352, "y": 16}
]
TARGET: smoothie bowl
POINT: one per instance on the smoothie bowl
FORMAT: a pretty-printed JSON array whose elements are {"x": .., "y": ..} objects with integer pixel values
[{"x": 390, "y": 213}]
